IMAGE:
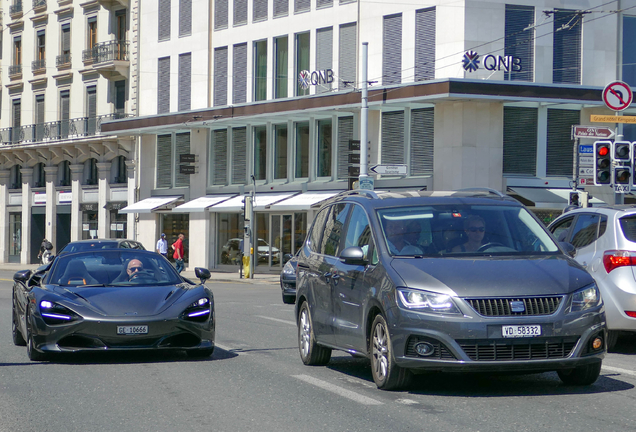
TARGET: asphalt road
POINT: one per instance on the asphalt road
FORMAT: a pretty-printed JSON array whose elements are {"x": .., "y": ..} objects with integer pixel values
[{"x": 255, "y": 381}]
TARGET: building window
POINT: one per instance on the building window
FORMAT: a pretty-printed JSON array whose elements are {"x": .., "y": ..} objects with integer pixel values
[
  {"x": 302, "y": 150},
  {"x": 119, "y": 171},
  {"x": 260, "y": 70},
  {"x": 425, "y": 44},
  {"x": 281, "y": 8},
  {"x": 163, "y": 85},
  {"x": 260, "y": 152},
  {"x": 519, "y": 41},
  {"x": 64, "y": 173},
  {"x": 91, "y": 109},
  {"x": 185, "y": 17},
  {"x": 65, "y": 113},
  {"x": 520, "y": 140},
  {"x": 220, "y": 14},
  {"x": 120, "y": 98},
  {"x": 629, "y": 50},
  {"x": 91, "y": 36},
  {"x": 301, "y": 6},
  {"x": 281, "y": 79},
  {"x": 220, "y": 76},
  {"x": 260, "y": 10},
  {"x": 16, "y": 130},
  {"x": 170, "y": 147},
  {"x": 422, "y": 139},
  {"x": 15, "y": 177},
  {"x": 90, "y": 172},
  {"x": 324, "y": 55},
  {"x": 392, "y": 130},
  {"x": 347, "y": 56},
  {"x": 185, "y": 81},
  {"x": 345, "y": 135},
  {"x": 240, "y": 12},
  {"x": 321, "y": 4},
  {"x": 239, "y": 155},
  {"x": 239, "y": 78},
  {"x": 39, "y": 178},
  {"x": 17, "y": 53},
  {"x": 39, "y": 117},
  {"x": 164, "y": 20},
  {"x": 324, "y": 148},
  {"x": 392, "y": 50},
  {"x": 560, "y": 151},
  {"x": 302, "y": 60},
  {"x": 219, "y": 157},
  {"x": 65, "y": 47},
  {"x": 41, "y": 46},
  {"x": 566, "y": 51},
  {"x": 280, "y": 151}
]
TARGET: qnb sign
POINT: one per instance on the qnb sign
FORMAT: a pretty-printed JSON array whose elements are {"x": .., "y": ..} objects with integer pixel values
[
  {"x": 306, "y": 78},
  {"x": 472, "y": 62}
]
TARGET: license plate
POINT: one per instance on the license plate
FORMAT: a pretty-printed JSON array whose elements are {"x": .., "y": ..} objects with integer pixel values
[
  {"x": 518, "y": 331},
  {"x": 130, "y": 330}
]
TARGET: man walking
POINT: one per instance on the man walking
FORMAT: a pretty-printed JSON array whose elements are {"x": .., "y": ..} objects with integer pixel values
[
  {"x": 162, "y": 245},
  {"x": 178, "y": 253}
]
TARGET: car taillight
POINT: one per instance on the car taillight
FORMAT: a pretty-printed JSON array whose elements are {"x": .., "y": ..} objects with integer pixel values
[
  {"x": 618, "y": 258},
  {"x": 631, "y": 314}
]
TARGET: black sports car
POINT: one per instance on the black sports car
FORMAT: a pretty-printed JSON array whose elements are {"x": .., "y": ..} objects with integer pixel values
[{"x": 109, "y": 300}]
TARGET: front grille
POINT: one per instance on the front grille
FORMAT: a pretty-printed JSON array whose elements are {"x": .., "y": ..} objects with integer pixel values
[
  {"x": 504, "y": 349},
  {"x": 502, "y": 306},
  {"x": 440, "y": 353}
]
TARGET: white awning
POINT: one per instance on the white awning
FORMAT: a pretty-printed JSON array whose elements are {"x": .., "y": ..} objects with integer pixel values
[
  {"x": 149, "y": 204},
  {"x": 303, "y": 201},
  {"x": 235, "y": 204},
  {"x": 201, "y": 203}
]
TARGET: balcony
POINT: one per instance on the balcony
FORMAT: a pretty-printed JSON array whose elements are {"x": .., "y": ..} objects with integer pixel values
[
  {"x": 39, "y": 4},
  {"x": 63, "y": 61},
  {"x": 108, "y": 58},
  {"x": 57, "y": 130},
  {"x": 15, "y": 71},
  {"x": 15, "y": 10},
  {"x": 38, "y": 66}
]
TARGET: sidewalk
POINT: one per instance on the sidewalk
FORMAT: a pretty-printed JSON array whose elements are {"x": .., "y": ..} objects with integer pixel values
[{"x": 217, "y": 276}]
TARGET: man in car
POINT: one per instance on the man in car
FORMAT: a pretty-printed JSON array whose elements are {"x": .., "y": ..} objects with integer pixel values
[
  {"x": 396, "y": 236},
  {"x": 134, "y": 266}
]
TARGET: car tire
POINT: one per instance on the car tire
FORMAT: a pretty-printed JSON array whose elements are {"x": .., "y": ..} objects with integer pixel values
[
  {"x": 311, "y": 353},
  {"x": 34, "y": 355},
  {"x": 289, "y": 299},
  {"x": 581, "y": 375},
  {"x": 612, "y": 338},
  {"x": 200, "y": 353},
  {"x": 18, "y": 339},
  {"x": 386, "y": 374}
]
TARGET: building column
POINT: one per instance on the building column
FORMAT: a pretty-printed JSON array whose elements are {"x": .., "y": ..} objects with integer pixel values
[
  {"x": 27, "y": 180},
  {"x": 103, "y": 215},
  {"x": 51, "y": 205},
  {"x": 76, "y": 191},
  {"x": 4, "y": 216},
  {"x": 131, "y": 229}
]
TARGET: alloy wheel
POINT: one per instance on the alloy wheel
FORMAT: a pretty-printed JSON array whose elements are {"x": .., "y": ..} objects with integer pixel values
[
  {"x": 305, "y": 333},
  {"x": 380, "y": 351}
]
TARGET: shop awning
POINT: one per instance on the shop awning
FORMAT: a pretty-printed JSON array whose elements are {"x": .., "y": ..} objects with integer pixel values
[
  {"x": 201, "y": 203},
  {"x": 545, "y": 197},
  {"x": 302, "y": 201},
  {"x": 149, "y": 205},
  {"x": 235, "y": 204}
]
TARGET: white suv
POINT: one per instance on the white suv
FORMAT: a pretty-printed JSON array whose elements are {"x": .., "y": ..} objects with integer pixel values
[{"x": 605, "y": 243}]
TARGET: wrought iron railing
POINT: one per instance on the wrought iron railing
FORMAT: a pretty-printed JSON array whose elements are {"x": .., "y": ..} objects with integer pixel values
[
  {"x": 107, "y": 51},
  {"x": 16, "y": 7},
  {"x": 15, "y": 69},
  {"x": 38, "y": 65},
  {"x": 57, "y": 130},
  {"x": 38, "y": 3},
  {"x": 63, "y": 59}
]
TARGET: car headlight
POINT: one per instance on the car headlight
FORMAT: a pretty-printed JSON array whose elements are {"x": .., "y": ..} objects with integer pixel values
[
  {"x": 426, "y": 301},
  {"x": 53, "y": 313},
  {"x": 198, "y": 311},
  {"x": 585, "y": 298},
  {"x": 289, "y": 269}
]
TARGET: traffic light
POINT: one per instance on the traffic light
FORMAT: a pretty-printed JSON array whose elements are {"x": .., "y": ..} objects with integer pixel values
[
  {"x": 622, "y": 151},
  {"x": 623, "y": 175},
  {"x": 574, "y": 199},
  {"x": 602, "y": 163}
]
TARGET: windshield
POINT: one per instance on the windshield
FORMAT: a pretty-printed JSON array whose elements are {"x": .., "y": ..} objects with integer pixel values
[
  {"x": 114, "y": 267},
  {"x": 463, "y": 229}
]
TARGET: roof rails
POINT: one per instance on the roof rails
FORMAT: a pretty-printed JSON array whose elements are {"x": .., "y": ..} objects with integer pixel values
[
  {"x": 368, "y": 193},
  {"x": 483, "y": 189}
]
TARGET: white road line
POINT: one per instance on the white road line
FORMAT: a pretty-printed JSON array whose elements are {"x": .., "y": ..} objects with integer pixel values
[
  {"x": 223, "y": 347},
  {"x": 338, "y": 390},
  {"x": 278, "y": 320},
  {"x": 619, "y": 370}
]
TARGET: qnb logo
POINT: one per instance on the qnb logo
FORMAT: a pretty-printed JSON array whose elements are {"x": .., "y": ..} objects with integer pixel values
[
  {"x": 304, "y": 79},
  {"x": 471, "y": 61}
]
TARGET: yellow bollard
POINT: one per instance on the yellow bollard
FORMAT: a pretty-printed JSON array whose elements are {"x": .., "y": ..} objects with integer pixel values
[{"x": 246, "y": 266}]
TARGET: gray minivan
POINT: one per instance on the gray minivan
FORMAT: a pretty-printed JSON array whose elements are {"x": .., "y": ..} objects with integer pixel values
[{"x": 444, "y": 281}]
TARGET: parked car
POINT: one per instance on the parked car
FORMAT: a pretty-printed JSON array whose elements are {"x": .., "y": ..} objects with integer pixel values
[
  {"x": 115, "y": 300},
  {"x": 604, "y": 239},
  {"x": 95, "y": 244},
  {"x": 288, "y": 281},
  {"x": 376, "y": 278}
]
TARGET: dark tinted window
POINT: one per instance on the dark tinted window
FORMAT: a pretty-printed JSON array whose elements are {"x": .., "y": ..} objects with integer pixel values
[
  {"x": 585, "y": 230},
  {"x": 317, "y": 229},
  {"x": 628, "y": 226},
  {"x": 602, "y": 226},
  {"x": 359, "y": 233},
  {"x": 334, "y": 224},
  {"x": 561, "y": 229}
]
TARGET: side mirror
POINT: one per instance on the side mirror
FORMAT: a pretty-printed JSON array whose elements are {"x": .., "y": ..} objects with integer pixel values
[
  {"x": 568, "y": 248},
  {"x": 22, "y": 276},
  {"x": 202, "y": 273},
  {"x": 353, "y": 255}
]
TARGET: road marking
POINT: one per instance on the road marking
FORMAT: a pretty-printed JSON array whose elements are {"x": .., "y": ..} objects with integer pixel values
[
  {"x": 407, "y": 401},
  {"x": 619, "y": 370},
  {"x": 278, "y": 320},
  {"x": 338, "y": 390}
]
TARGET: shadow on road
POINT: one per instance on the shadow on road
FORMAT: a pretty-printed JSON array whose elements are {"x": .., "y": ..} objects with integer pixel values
[{"x": 626, "y": 344}]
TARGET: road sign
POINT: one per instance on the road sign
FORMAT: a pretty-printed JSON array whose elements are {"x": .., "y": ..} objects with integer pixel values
[
  {"x": 586, "y": 149},
  {"x": 354, "y": 171},
  {"x": 586, "y": 181},
  {"x": 586, "y": 160},
  {"x": 354, "y": 158},
  {"x": 354, "y": 145},
  {"x": 586, "y": 171},
  {"x": 366, "y": 182},
  {"x": 389, "y": 169},
  {"x": 592, "y": 132},
  {"x": 617, "y": 96},
  {"x": 612, "y": 119},
  {"x": 621, "y": 188}
]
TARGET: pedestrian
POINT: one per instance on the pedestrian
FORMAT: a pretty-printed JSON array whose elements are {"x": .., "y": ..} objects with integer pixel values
[
  {"x": 45, "y": 251},
  {"x": 162, "y": 245},
  {"x": 178, "y": 253}
]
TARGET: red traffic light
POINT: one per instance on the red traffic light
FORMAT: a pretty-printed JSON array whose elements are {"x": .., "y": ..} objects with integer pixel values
[{"x": 603, "y": 150}]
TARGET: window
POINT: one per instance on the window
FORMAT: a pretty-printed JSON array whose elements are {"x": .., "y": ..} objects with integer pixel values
[
  {"x": 220, "y": 76},
  {"x": 260, "y": 10},
  {"x": 90, "y": 172},
  {"x": 324, "y": 148},
  {"x": 185, "y": 81},
  {"x": 119, "y": 170},
  {"x": 120, "y": 98},
  {"x": 240, "y": 12},
  {"x": 163, "y": 85},
  {"x": 219, "y": 157},
  {"x": 65, "y": 112},
  {"x": 65, "y": 47},
  {"x": 359, "y": 233},
  {"x": 302, "y": 60},
  {"x": 392, "y": 137},
  {"x": 91, "y": 36},
  {"x": 334, "y": 224},
  {"x": 220, "y": 14},
  {"x": 520, "y": 140},
  {"x": 16, "y": 177},
  {"x": 301, "y": 6},
  {"x": 347, "y": 56},
  {"x": 280, "y": 151},
  {"x": 91, "y": 109},
  {"x": 392, "y": 50},
  {"x": 566, "y": 51},
  {"x": 561, "y": 230},
  {"x": 260, "y": 70},
  {"x": 41, "y": 43},
  {"x": 519, "y": 41},
  {"x": 324, "y": 55},
  {"x": 64, "y": 173},
  {"x": 302, "y": 150},
  {"x": 559, "y": 152},
  {"x": 170, "y": 147},
  {"x": 345, "y": 135},
  {"x": 122, "y": 45},
  {"x": 16, "y": 131},
  {"x": 239, "y": 78},
  {"x": 17, "y": 50},
  {"x": 185, "y": 17},
  {"x": 281, "y": 79},
  {"x": 317, "y": 229},
  {"x": 39, "y": 178},
  {"x": 164, "y": 20},
  {"x": 281, "y": 8},
  {"x": 425, "y": 44},
  {"x": 585, "y": 230},
  {"x": 629, "y": 50},
  {"x": 260, "y": 152},
  {"x": 39, "y": 117},
  {"x": 239, "y": 155},
  {"x": 422, "y": 141},
  {"x": 321, "y": 4}
]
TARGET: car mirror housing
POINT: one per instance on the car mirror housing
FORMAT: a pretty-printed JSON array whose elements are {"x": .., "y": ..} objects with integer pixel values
[
  {"x": 22, "y": 276},
  {"x": 202, "y": 273},
  {"x": 568, "y": 248},
  {"x": 353, "y": 255}
]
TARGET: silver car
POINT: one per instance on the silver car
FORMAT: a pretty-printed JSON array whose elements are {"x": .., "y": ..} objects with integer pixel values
[{"x": 605, "y": 242}]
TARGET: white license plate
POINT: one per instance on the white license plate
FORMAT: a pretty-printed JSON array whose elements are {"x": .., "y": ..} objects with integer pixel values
[
  {"x": 518, "y": 331},
  {"x": 130, "y": 330}
]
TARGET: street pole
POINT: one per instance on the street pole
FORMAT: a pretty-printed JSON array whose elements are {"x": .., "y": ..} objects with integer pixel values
[{"x": 364, "y": 181}]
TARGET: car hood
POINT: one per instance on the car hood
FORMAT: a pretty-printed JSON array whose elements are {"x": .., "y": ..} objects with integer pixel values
[
  {"x": 124, "y": 301},
  {"x": 490, "y": 276}
]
